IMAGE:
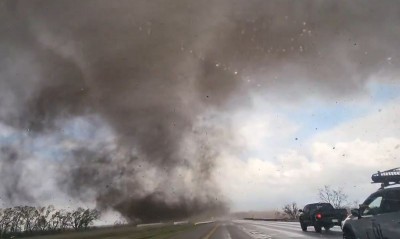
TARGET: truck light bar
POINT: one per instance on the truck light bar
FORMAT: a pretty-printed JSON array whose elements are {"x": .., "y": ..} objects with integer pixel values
[{"x": 387, "y": 178}]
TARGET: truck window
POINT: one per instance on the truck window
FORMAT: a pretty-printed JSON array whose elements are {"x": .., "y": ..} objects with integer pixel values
[
  {"x": 306, "y": 209},
  {"x": 312, "y": 208},
  {"x": 374, "y": 207},
  {"x": 325, "y": 206},
  {"x": 391, "y": 202}
]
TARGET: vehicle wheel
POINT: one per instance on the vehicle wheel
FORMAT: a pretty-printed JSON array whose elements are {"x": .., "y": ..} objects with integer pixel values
[
  {"x": 348, "y": 234},
  {"x": 303, "y": 226},
  {"x": 317, "y": 228}
]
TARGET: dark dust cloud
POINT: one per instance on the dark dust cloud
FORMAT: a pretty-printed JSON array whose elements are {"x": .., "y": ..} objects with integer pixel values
[{"x": 154, "y": 71}]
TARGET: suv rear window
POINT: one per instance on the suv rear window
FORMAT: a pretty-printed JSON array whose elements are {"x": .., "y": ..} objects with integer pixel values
[{"x": 322, "y": 206}]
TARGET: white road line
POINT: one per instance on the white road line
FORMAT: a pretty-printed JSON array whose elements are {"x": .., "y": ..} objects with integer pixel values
[
  {"x": 181, "y": 223},
  {"x": 289, "y": 224},
  {"x": 272, "y": 225},
  {"x": 297, "y": 226},
  {"x": 227, "y": 235},
  {"x": 284, "y": 225},
  {"x": 150, "y": 224},
  {"x": 283, "y": 232},
  {"x": 206, "y": 222},
  {"x": 255, "y": 234},
  {"x": 260, "y": 229}
]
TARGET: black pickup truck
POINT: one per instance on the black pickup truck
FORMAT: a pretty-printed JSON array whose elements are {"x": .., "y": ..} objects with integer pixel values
[{"x": 321, "y": 215}]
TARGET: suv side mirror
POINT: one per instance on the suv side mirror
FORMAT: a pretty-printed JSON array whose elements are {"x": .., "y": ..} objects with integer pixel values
[{"x": 355, "y": 212}]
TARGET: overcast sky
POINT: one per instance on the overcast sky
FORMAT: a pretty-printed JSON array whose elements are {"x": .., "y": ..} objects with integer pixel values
[{"x": 186, "y": 106}]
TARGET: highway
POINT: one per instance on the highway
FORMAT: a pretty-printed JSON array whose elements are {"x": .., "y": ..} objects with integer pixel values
[{"x": 245, "y": 229}]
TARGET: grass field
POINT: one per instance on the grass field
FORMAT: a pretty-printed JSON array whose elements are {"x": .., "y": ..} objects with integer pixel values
[{"x": 125, "y": 232}]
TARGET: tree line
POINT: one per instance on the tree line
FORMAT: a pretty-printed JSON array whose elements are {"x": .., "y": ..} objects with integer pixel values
[{"x": 36, "y": 220}]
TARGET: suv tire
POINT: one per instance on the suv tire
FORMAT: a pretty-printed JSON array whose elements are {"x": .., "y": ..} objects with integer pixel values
[
  {"x": 317, "y": 228},
  {"x": 303, "y": 226}
]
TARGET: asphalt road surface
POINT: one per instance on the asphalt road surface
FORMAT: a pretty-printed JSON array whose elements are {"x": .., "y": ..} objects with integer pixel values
[{"x": 244, "y": 229}]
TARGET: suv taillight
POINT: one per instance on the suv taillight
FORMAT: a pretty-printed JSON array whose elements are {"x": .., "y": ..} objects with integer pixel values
[{"x": 319, "y": 216}]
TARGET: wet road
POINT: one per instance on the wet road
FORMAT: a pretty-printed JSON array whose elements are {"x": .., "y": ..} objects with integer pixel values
[{"x": 243, "y": 229}]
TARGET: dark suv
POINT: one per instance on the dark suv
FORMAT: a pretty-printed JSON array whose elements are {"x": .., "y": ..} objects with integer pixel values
[
  {"x": 321, "y": 215},
  {"x": 379, "y": 215}
]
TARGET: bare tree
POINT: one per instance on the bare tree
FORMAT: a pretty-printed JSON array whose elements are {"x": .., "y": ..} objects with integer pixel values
[
  {"x": 6, "y": 220},
  {"x": 43, "y": 220},
  {"x": 291, "y": 210},
  {"x": 336, "y": 197},
  {"x": 81, "y": 218},
  {"x": 89, "y": 216},
  {"x": 16, "y": 219},
  {"x": 29, "y": 214},
  {"x": 65, "y": 219}
]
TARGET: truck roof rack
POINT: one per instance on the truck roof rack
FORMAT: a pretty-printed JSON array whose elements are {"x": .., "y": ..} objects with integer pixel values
[{"x": 387, "y": 178}]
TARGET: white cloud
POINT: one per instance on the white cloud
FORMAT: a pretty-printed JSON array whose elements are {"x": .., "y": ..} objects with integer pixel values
[
  {"x": 262, "y": 132},
  {"x": 257, "y": 129}
]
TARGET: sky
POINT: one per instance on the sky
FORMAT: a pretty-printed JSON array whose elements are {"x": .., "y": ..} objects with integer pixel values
[
  {"x": 164, "y": 110},
  {"x": 292, "y": 151}
]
